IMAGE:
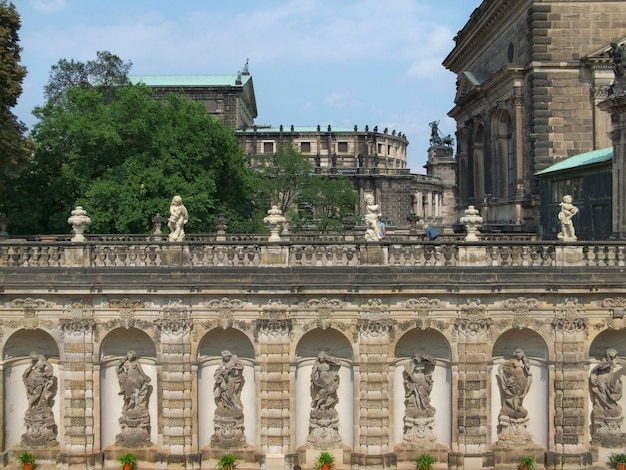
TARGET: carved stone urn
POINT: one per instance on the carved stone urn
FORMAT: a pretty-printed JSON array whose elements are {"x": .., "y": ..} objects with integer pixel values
[
  {"x": 274, "y": 219},
  {"x": 79, "y": 221},
  {"x": 472, "y": 221}
]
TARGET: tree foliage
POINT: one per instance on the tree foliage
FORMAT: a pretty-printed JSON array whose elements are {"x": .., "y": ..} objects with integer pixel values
[
  {"x": 310, "y": 201},
  {"x": 123, "y": 155},
  {"x": 14, "y": 148},
  {"x": 105, "y": 73}
]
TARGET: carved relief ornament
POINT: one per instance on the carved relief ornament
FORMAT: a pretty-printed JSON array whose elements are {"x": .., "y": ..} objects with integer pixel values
[
  {"x": 225, "y": 309},
  {"x": 30, "y": 307},
  {"x": 324, "y": 308}
]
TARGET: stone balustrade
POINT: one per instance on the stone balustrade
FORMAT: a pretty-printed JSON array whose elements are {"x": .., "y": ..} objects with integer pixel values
[{"x": 254, "y": 252}]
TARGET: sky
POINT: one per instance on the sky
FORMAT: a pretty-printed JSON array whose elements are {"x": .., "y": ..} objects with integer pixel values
[{"x": 328, "y": 62}]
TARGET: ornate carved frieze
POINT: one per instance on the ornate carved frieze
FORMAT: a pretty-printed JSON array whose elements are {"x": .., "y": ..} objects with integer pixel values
[
  {"x": 225, "y": 309},
  {"x": 77, "y": 327},
  {"x": 375, "y": 328},
  {"x": 616, "y": 305},
  {"x": 273, "y": 327},
  {"x": 473, "y": 307},
  {"x": 423, "y": 306},
  {"x": 324, "y": 308},
  {"x": 521, "y": 308},
  {"x": 30, "y": 307},
  {"x": 80, "y": 310},
  {"x": 374, "y": 310},
  {"x": 175, "y": 318},
  {"x": 126, "y": 308},
  {"x": 473, "y": 326},
  {"x": 275, "y": 309},
  {"x": 569, "y": 317}
]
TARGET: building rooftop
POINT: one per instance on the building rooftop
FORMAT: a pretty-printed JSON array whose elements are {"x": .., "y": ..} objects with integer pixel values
[
  {"x": 582, "y": 159},
  {"x": 190, "y": 80}
]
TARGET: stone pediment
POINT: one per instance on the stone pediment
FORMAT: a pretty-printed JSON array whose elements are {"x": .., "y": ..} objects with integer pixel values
[
  {"x": 602, "y": 55},
  {"x": 468, "y": 82}
]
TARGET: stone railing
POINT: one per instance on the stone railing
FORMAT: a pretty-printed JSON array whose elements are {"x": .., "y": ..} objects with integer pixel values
[{"x": 294, "y": 253}]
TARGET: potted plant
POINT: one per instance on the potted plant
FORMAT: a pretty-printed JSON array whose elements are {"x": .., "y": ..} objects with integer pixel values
[
  {"x": 127, "y": 460},
  {"x": 226, "y": 462},
  {"x": 527, "y": 463},
  {"x": 26, "y": 459},
  {"x": 618, "y": 461},
  {"x": 425, "y": 462},
  {"x": 325, "y": 461}
]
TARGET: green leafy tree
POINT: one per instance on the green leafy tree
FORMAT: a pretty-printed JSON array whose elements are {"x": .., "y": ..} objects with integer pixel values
[
  {"x": 123, "y": 156},
  {"x": 14, "y": 147},
  {"x": 106, "y": 73},
  {"x": 309, "y": 200}
]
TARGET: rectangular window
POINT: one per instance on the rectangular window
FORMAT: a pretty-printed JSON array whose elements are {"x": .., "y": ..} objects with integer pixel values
[
  {"x": 305, "y": 147},
  {"x": 342, "y": 147},
  {"x": 379, "y": 149},
  {"x": 268, "y": 147}
]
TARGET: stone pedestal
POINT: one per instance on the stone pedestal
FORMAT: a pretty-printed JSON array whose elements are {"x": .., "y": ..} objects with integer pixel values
[
  {"x": 175, "y": 256},
  {"x": 274, "y": 255},
  {"x": 607, "y": 432},
  {"x": 373, "y": 254},
  {"x": 472, "y": 256},
  {"x": 569, "y": 255},
  {"x": 513, "y": 433}
]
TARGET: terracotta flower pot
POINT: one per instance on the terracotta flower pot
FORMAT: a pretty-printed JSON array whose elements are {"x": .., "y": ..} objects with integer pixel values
[
  {"x": 325, "y": 466},
  {"x": 127, "y": 466},
  {"x": 621, "y": 466},
  {"x": 28, "y": 466}
]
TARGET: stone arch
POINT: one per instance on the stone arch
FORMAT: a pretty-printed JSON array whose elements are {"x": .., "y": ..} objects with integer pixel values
[
  {"x": 309, "y": 346},
  {"x": 15, "y": 361},
  {"x": 606, "y": 411},
  {"x": 210, "y": 348},
  {"x": 114, "y": 347},
  {"x": 537, "y": 400},
  {"x": 434, "y": 344}
]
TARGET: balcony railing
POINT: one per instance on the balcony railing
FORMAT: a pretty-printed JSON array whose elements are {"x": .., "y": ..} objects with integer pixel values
[{"x": 255, "y": 251}]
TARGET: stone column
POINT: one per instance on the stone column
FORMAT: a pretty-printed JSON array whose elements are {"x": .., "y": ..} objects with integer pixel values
[
  {"x": 374, "y": 440},
  {"x": 79, "y": 393},
  {"x": 471, "y": 402},
  {"x": 275, "y": 399},
  {"x": 570, "y": 377},
  {"x": 177, "y": 411}
]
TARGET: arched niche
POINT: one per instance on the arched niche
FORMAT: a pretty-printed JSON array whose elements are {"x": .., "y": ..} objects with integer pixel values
[
  {"x": 434, "y": 344},
  {"x": 607, "y": 380},
  {"x": 209, "y": 359},
  {"x": 537, "y": 401},
  {"x": 112, "y": 351},
  {"x": 335, "y": 344},
  {"x": 16, "y": 360}
]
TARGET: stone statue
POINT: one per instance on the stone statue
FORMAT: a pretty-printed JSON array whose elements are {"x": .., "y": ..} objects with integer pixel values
[
  {"x": 419, "y": 414},
  {"x": 605, "y": 384},
  {"x": 514, "y": 379},
  {"x": 134, "y": 388},
  {"x": 324, "y": 419},
  {"x": 39, "y": 382},
  {"x": 177, "y": 220},
  {"x": 229, "y": 383},
  {"x": 616, "y": 53},
  {"x": 228, "y": 422},
  {"x": 372, "y": 219},
  {"x": 568, "y": 210}
]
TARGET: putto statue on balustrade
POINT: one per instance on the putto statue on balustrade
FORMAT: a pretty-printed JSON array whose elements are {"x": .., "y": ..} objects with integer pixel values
[
  {"x": 568, "y": 210},
  {"x": 419, "y": 415},
  {"x": 514, "y": 379},
  {"x": 324, "y": 419},
  {"x": 229, "y": 381},
  {"x": 177, "y": 220},
  {"x": 135, "y": 389},
  {"x": 374, "y": 230},
  {"x": 605, "y": 385},
  {"x": 40, "y": 383}
]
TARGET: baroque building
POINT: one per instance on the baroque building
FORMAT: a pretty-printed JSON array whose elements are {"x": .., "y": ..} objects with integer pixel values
[{"x": 530, "y": 74}]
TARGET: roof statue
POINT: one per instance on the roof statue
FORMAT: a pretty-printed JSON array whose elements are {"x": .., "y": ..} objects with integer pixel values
[
  {"x": 436, "y": 138},
  {"x": 616, "y": 53}
]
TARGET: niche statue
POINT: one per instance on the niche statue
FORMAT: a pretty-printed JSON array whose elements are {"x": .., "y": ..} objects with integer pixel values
[
  {"x": 514, "y": 379},
  {"x": 228, "y": 422},
  {"x": 41, "y": 431},
  {"x": 324, "y": 419},
  {"x": 605, "y": 385},
  {"x": 419, "y": 415},
  {"x": 135, "y": 389}
]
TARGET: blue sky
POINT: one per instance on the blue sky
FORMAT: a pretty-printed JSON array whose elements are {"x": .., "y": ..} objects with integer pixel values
[{"x": 337, "y": 62}]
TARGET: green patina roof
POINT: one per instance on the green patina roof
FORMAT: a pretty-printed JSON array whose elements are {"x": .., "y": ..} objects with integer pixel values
[
  {"x": 302, "y": 129},
  {"x": 582, "y": 159},
  {"x": 189, "y": 80}
]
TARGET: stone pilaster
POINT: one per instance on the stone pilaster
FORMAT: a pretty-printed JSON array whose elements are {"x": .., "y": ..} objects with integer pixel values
[
  {"x": 178, "y": 410},
  {"x": 78, "y": 390},
  {"x": 373, "y": 439},
  {"x": 471, "y": 401},
  {"x": 570, "y": 377},
  {"x": 274, "y": 386}
]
